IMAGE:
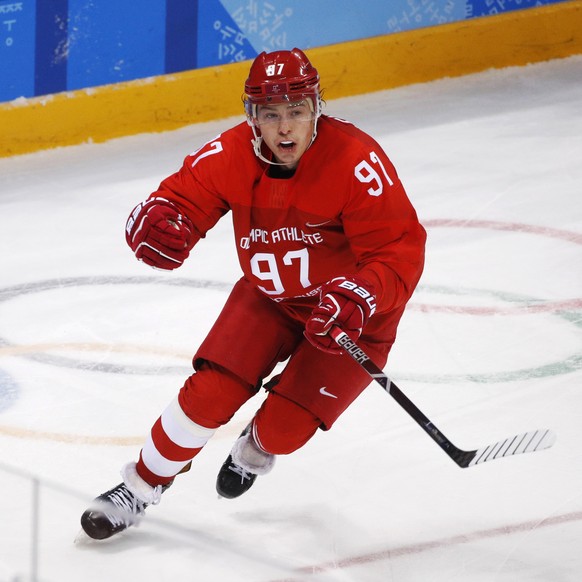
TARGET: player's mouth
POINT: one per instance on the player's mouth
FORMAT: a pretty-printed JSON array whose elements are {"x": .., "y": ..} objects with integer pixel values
[{"x": 287, "y": 146}]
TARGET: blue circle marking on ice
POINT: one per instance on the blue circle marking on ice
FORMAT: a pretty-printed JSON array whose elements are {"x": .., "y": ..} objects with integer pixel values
[{"x": 9, "y": 390}]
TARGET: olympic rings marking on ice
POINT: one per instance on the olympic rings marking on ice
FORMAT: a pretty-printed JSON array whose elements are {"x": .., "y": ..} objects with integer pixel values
[
  {"x": 533, "y": 306},
  {"x": 230, "y": 431},
  {"x": 565, "y": 235},
  {"x": 98, "y": 366},
  {"x": 76, "y": 439},
  {"x": 564, "y": 366},
  {"x": 519, "y": 306},
  {"x": 9, "y": 387},
  {"x": 524, "y": 306}
]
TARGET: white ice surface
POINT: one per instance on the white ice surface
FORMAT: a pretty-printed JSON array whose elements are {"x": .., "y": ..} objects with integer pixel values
[{"x": 93, "y": 345}]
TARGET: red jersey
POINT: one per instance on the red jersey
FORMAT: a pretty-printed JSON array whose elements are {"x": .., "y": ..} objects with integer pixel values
[{"x": 343, "y": 211}]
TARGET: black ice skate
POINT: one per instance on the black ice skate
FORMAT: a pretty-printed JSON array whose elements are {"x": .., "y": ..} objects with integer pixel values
[
  {"x": 120, "y": 507},
  {"x": 241, "y": 468},
  {"x": 233, "y": 480}
]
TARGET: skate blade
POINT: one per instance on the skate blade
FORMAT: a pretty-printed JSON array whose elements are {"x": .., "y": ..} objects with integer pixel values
[{"x": 82, "y": 539}]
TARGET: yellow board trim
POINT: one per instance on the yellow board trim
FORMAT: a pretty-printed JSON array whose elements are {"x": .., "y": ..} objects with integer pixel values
[{"x": 384, "y": 62}]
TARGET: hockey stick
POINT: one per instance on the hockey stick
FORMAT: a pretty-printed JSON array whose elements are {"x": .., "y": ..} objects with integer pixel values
[{"x": 527, "y": 442}]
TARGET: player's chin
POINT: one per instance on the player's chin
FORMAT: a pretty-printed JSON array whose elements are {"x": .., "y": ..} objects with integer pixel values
[{"x": 289, "y": 155}]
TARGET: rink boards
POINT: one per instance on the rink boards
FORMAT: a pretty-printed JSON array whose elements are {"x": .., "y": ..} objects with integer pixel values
[{"x": 167, "y": 102}]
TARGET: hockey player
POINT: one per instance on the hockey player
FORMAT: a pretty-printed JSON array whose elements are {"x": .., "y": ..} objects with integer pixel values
[{"x": 325, "y": 235}]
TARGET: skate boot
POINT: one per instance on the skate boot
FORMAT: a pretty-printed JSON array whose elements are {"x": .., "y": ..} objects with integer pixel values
[
  {"x": 240, "y": 470},
  {"x": 120, "y": 507}
]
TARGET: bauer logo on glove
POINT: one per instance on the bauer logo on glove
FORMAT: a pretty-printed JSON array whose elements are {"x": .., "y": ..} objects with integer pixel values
[
  {"x": 368, "y": 297},
  {"x": 346, "y": 302}
]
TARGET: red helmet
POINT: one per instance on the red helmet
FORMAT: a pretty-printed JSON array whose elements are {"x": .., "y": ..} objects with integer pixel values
[{"x": 281, "y": 76}]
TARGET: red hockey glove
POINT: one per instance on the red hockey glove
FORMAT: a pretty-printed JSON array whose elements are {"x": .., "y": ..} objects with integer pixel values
[
  {"x": 159, "y": 234},
  {"x": 347, "y": 302}
]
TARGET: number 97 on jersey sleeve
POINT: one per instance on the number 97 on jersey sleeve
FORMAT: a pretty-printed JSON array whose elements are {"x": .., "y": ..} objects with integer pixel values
[{"x": 371, "y": 173}]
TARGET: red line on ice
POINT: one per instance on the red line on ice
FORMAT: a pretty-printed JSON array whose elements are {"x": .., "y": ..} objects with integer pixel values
[{"x": 420, "y": 548}]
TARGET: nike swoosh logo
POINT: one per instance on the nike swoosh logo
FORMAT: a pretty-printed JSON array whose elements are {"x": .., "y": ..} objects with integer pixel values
[
  {"x": 316, "y": 224},
  {"x": 326, "y": 393}
]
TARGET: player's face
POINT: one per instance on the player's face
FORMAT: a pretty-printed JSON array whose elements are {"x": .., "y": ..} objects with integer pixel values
[{"x": 287, "y": 129}]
